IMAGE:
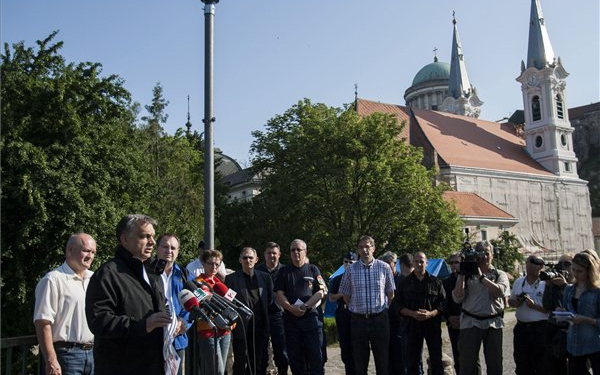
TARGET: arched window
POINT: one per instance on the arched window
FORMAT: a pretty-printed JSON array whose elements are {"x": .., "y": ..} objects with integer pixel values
[
  {"x": 559, "y": 106},
  {"x": 536, "y": 112}
]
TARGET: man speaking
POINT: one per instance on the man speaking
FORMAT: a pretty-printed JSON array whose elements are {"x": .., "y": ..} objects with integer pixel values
[{"x": 125, "y": 305}]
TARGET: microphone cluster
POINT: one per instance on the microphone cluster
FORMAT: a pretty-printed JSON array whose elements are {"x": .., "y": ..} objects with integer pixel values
[{"x": 218, "y": 308}]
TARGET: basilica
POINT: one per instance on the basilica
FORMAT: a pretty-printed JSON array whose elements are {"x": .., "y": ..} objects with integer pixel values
[{"x": 519, "y": 177}]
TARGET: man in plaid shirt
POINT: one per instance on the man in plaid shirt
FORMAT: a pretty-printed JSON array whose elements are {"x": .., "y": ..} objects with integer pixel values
[{"x": 368, "y": 288}]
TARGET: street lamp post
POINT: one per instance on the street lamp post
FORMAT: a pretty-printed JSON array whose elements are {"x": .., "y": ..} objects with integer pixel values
[{"x": 209, "y": 119}]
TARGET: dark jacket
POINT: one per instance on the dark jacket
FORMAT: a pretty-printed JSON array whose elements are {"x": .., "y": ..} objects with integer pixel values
[
  {"x": 118, "y": 302},
  {"x": 451, "y": 308},
  {"x": 237, "y": 282}
]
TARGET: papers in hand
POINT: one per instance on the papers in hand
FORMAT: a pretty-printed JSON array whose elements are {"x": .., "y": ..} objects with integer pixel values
[{"x": 563, "y": 316}]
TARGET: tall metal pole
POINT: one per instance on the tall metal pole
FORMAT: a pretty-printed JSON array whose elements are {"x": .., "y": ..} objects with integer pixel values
[{"x": 209, "y": 119}]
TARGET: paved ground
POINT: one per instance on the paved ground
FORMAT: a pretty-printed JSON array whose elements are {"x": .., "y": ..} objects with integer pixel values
[{"x": 335, "y": 366}]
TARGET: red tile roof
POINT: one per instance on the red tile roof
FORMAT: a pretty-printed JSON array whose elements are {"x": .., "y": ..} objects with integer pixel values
[
  {"x": 472, "y": 205},
  {"x": 576, "y": 112},
  {"x": 470, "y": 142},
  {"x": 368, "y": 107}
]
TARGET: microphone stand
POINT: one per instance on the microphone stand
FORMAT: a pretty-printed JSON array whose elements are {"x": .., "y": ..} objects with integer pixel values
[{"x": 216, "y": 355}]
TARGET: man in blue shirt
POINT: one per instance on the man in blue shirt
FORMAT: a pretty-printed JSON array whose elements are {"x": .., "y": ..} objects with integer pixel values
[{"x": 174, "y": 276}]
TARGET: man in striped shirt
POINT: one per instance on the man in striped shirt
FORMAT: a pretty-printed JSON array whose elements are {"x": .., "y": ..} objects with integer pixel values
[{"x": 368, "y": 288}]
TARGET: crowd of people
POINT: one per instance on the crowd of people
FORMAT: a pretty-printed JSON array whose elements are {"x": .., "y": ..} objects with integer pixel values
[{"x": 129, "y": 316}]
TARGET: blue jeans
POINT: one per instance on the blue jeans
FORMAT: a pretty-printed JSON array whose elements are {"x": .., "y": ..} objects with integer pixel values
[
  {"x": 207, "y": 356},
  {"x": 75, "y": 361}
]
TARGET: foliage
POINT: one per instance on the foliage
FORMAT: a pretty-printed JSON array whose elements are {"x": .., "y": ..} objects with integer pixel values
[
  {"x": 506, "y": 252},
  {"x": 330, "y": 176},
  {"x": 74, "y": 160}
]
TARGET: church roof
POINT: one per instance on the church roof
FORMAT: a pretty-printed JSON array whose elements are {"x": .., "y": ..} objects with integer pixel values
[
  {"x": 472, "y": 205},
  {"x": 432, "y": 72},
  {"x": 470, "y": 142},
  {"x": 366, "y": 107}
]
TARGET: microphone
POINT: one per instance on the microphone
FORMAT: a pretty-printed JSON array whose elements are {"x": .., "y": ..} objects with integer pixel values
[
  {"x": 190, "y": 303},
  {"x": 226, "y": 310},
  {"x": 217, "y": 298},
  {"x": 229, "y": 294},
  {"x": 204, "y": 300}
]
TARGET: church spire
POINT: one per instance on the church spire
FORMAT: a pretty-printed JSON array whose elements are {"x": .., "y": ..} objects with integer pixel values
[
  {"x": 539, "y": 52},
  {"x": 547, "y": 129},
  {"x": 188, "y": 124},
  {"x": 462, "y": 98},
  {"x": 458, "y": 84}
]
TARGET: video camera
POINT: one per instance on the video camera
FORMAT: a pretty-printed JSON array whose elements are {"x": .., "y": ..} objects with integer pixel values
[
  {"x": 553, "y": 270},
  {"x": 469, "y": 265}
]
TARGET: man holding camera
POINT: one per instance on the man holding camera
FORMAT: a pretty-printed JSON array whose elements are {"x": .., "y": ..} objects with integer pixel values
[
  {"x": 482, "y": 296},
  {"x": 527, "y": 296}
]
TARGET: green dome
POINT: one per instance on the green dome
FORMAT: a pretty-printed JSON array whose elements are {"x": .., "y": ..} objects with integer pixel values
[{"x": 432, "y": 72}]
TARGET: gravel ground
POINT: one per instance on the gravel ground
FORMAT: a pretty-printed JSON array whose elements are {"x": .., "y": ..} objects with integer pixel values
[{"x": 335, "y": 366}]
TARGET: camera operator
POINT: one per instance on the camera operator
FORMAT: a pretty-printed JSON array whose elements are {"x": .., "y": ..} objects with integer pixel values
[
  {"x": 531, "y": 316},
  {"x": 482, "y": 297},
  {"x": 556, "y": 332}
]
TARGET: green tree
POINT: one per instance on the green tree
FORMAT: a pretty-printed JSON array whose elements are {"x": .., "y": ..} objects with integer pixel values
[
  {"x": 506, "y": 252},
  {"x": 330, "y": 176},
  {"x": 153, "y": 128},
  {"x": 70, "y": 163}
]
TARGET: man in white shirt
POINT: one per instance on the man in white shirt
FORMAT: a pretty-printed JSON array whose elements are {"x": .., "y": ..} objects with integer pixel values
[
  {"x": 527, "y": 296},
  {"x": 195, "y": 267},
  {"x": 59, "y": 316}
]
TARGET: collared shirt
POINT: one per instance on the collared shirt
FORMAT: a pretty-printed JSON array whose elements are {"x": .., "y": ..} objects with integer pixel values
[
  {"x": 368, "y": 286},
  {"x": 535, "y": 291},
  {"x": 478, "y": 301},
  {"x": 414, "y": 294},
  {"x": 60, "y": 299},
  {"x": 195, "y": 269}
]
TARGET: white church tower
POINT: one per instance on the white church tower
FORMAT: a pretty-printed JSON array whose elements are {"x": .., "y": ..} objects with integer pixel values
[
  {"x": 548, "y": 132},
  {"x": 462, "y": 98}
]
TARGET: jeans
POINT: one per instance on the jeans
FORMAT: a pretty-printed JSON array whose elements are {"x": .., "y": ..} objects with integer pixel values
[
  {"x": 75, "y": 361},
  {"x": 207, "y": 354}
]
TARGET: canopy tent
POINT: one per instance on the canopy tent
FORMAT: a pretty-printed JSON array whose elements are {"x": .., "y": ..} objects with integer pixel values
[{"x": 435, "y": 267}]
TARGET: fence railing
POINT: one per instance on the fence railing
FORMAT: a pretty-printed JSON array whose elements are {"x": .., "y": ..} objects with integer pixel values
[{"x": 18, "y": 358}]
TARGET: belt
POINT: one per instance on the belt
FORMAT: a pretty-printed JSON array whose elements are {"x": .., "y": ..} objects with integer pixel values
[
  {"x": 532, "y": 324},
  {"x": 368, "y": 316},
  {"x": 71, "y": 345}
]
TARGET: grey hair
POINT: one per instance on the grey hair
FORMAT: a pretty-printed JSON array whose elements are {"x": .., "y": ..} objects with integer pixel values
[
  {"x": 484, "y": 245},
  {"x": 77, "y": 239},
  {"x": 248, "y": 248},
  {"x": 388, "y": 257},
  {"x": 129, "y": 222},
  {"x": 299, "y": 241}
]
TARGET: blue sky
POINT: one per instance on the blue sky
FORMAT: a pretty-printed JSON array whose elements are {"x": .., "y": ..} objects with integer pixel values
[{"x": 271, "y": 53}]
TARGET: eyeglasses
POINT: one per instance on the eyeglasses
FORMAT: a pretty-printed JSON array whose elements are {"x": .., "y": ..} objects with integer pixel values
[
  {"x": 297, "y": 249},
  {"x": 348, "y": 261},
  {"x": 456, "y": 262},
  {"x": 216, "y": 265},
  {"x": 246, "y": 257}
]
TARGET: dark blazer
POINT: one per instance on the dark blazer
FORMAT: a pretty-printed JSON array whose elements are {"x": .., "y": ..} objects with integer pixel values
[{"x": 237, "y": 282}]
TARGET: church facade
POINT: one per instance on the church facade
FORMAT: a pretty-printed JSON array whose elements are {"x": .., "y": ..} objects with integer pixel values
[{"x": 530, "y": 175}]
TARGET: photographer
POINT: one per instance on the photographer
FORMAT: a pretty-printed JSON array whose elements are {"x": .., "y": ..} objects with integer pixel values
[
  {"x": 531, "y": 316},
  {"x": 482, "y": 296}
]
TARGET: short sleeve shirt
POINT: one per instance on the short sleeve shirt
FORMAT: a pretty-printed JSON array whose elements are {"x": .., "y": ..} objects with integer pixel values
[{"x": 60, "y": 299}]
